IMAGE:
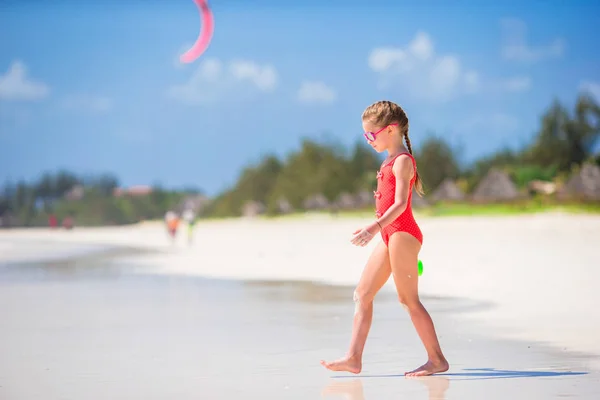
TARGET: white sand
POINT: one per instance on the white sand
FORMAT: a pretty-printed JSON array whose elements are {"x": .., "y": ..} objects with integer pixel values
[
  {"x": 541, "y": 272},
  {"x": 163, "y": 337}
]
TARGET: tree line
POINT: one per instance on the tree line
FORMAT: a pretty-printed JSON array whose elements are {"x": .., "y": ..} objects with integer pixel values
[
  {"x": 90, "y": 200},
  {"x": 565, "y": 139}
]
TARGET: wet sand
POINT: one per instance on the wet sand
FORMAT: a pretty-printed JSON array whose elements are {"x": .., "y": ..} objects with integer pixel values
[
  {"x": 123, "y": 336},
  {"x": 117, "y": 322}
]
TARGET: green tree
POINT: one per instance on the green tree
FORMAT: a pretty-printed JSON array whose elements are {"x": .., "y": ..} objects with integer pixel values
[
  {"x": 564, "y": 141},
  {"x": 64, "y": 182},
  {"x": 436, "y": 161},
  {"x": 315, "y": 168},
  {"x": 363, "y": 164}
]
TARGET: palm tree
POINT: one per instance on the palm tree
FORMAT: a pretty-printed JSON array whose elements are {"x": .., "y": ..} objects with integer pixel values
[{"x": 564, "y": 140}]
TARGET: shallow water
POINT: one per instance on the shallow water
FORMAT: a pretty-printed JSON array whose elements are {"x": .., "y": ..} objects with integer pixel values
[{"x": 87, "y": 328}]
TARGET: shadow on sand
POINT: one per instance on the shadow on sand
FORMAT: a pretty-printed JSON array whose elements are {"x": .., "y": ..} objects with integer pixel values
[
  {"x": 487, "y": 373},
  {"x": 437, "y": 385},
  {"x": 492, "y": 373}
]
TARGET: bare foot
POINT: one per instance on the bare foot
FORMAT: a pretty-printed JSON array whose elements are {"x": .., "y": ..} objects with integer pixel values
[
  {"x": 351, "y": 364},
  {"x": 429, "y": 368}
]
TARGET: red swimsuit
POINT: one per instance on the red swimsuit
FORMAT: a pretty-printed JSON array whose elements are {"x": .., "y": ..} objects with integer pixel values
[{"x": 384, "y": 198}]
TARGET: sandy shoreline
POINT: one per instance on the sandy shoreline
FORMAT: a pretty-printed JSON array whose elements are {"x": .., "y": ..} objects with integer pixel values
[
  {"x": 163, "y": 337},
  {"x": 539, "y": 272}
]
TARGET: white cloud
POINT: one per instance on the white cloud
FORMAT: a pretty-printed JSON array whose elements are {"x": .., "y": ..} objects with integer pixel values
[
  {"x": 423, "y": 73},
  {"x": 316, "y": 92},
  {"x": 87, "y": 103},
  {"x": 382, "y": 59},
  {"x": 16, "y": 85},
  {"x": 215, "y": 80},
  {"x": 516, "y": 48},
  {"x": 422, "y": 47},
  {"x": 592, "y": 88},
  {"x": 263, "y": 77}
]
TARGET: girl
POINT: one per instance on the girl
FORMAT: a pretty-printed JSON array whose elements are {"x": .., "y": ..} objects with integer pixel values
[{"x": 386, "y": 125}]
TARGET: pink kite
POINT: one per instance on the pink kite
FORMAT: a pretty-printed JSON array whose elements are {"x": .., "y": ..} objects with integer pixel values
[{"x": 205, "y": 33}]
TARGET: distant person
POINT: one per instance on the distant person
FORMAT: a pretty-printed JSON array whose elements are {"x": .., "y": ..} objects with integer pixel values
[
  {"x": 386, "y": 126},
  {"x": 52, "y": 221},
  {"x": 68, "y": 223},
  {"x": 172, "y": 222},
  {"x": 190, "y": 218}
]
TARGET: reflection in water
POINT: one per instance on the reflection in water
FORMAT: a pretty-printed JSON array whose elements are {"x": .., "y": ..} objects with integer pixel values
[
  {"x": 318, "y": 293},
  {"x": 353, "y": 389},
  {"x": 436, "y": 386},
  {"x": 305, "y": 292},
  {"x": 87, "y": 261},
  {"x": 93, "y": 338}
]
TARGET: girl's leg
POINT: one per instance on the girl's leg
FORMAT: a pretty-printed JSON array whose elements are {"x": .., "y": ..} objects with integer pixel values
[
  {"x": 404, "y": 251},
  {"x": 374, "y": 276}
]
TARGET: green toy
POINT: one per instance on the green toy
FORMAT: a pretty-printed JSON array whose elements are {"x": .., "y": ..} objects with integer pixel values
[{"x": 420, "y": 265}]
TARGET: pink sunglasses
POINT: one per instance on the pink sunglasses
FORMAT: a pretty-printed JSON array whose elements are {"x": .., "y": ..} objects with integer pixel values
[{"x": 371, "y": 136}]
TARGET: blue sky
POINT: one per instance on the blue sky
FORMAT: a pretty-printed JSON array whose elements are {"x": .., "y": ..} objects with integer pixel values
[{"x": 96, "y": 86}]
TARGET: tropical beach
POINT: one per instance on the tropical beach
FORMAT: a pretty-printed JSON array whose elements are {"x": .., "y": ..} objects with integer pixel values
[
  {"x": 187, "y": 219},
  {"x": 105, "y": 309}
]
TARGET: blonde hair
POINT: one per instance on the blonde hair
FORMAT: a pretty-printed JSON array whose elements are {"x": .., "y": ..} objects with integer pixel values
[{"x": 383, "y": 113}]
